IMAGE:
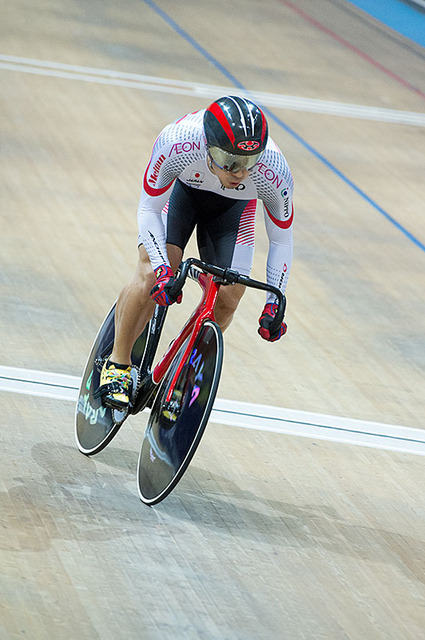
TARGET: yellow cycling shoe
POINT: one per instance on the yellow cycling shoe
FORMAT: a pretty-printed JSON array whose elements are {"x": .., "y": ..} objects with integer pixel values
[{"x": 115, "y": 385}]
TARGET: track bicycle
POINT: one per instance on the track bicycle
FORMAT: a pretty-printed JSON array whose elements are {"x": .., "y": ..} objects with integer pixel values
[{"x": 180, "y": 389}]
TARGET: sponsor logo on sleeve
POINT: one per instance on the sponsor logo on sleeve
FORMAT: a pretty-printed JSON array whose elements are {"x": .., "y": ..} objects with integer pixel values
[
  {"x": 155, "y": 170},
  {"x": 284, "y": 194},
  {"x": 270, "y": 176},
  {"x": 184, "y": 147},
  {"x": 151, "y": 178}
]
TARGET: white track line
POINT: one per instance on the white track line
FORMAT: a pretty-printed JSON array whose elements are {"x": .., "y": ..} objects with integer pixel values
[
  {"x": 243, "y": 414},
  {"x": 180, "y": 87}
]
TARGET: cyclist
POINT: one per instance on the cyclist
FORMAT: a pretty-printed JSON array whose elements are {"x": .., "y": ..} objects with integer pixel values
[{"x": 207, "y": 171}]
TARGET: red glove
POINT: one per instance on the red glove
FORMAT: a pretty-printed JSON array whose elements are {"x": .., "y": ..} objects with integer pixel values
[
  {"x": 265, "y": 319},
  {"x": 161, "y": 291}
]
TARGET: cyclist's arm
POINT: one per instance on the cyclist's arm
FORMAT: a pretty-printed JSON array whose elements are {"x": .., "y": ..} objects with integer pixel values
[
  {"x": 177, "y": 147},
  {"x": 273, "y": 181},
  {"x": 279, "y": 216},
  {"x": 279, "y": 259},
  {"x": 158, "y": 182},
  {"x": 152, "y": 230}
]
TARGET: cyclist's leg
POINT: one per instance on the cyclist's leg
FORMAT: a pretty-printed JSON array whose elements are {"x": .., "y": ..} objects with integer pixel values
[
  {"x": 134, "y": 309},
  {"x": 227, "y": 240},
  {"x": 227, "y": 302},
  {"x": 175, "y": 255},
  {"x": 135, "y": 306}
]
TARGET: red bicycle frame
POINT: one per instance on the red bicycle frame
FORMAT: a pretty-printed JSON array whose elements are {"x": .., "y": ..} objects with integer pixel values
[{"x": 204, "y": 311}]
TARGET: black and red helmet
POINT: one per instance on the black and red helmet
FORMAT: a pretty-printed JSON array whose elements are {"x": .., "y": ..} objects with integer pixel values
[{"x": 235, "y": 126}]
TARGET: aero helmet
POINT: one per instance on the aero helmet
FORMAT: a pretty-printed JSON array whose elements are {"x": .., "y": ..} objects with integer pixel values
[{"x": 236, "y": 133}]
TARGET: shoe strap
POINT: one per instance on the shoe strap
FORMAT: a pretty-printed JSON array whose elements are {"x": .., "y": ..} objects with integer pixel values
[{"x": 120, "y": 375}]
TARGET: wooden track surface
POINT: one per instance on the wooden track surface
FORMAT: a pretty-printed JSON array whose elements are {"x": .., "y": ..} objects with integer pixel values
[{"x": 267, "y": 536}]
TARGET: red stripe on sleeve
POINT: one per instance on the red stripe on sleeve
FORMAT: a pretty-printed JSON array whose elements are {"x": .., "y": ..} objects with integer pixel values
[{"x": 282, "y": 224}]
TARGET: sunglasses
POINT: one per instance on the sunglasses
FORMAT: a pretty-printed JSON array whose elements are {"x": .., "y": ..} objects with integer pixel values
[{"x": 232, "y": 162}]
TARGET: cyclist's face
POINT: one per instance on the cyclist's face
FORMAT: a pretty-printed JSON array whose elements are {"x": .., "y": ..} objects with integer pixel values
[{"x": 229, "y": 179}]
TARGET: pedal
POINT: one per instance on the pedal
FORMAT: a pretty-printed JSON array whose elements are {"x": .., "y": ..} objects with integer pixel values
[
  {"x": 171, "y": 412},
  {"x": 103, "y": 392}
]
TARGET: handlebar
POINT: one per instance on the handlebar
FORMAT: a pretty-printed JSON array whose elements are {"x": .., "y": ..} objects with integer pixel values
[{"x": 228, "y": 276}]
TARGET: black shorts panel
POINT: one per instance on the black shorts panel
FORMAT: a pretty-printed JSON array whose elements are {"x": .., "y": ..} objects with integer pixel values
[{"x": 215, "y": 217}]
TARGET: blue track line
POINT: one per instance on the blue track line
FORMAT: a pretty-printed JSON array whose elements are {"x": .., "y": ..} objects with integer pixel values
[
  {"x": 194, "y": 44},
  {"x": 178, "y": 29}
]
